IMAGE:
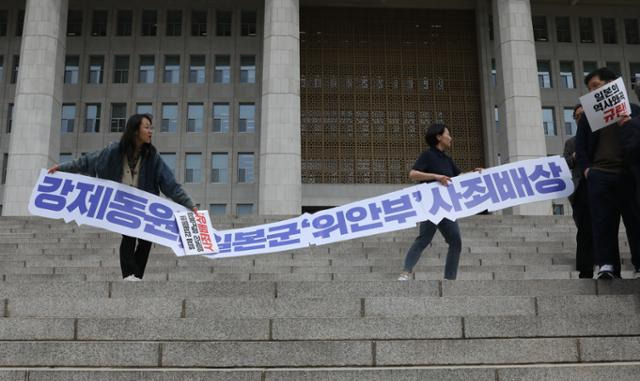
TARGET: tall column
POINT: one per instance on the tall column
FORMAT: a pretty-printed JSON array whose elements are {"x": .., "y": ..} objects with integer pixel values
[
  {"x": 280, "y": 188},
  {"x": 518, "y": 94},
  {"x": 35, "y": 137}
]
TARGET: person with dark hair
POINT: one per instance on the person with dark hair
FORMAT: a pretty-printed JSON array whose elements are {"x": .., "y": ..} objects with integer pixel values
[
  {"x": 133, "y": 161},
  {"x": 434, "y": 165},
  {"x": 580, "y": 206},
  {"x": 606, "y": 163}
]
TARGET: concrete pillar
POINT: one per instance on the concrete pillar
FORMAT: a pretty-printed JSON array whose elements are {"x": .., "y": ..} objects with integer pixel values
[
  {"x": 35, "y": 136},
  {"x": 518, "y": 92},
  {"x": 280, "y": 188}
]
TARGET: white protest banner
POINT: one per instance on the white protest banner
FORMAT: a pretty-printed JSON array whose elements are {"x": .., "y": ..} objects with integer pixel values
[
  {"x": 130, "y": 211},
  {"x": 196, "y": 232},
  {"x": 468, "y": 194},
  {"x": 108, "y": 205},
  {"x": 605, "y": 105}
]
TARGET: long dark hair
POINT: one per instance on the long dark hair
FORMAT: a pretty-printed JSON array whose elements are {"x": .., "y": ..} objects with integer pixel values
[{"x": 128, "y": 140}]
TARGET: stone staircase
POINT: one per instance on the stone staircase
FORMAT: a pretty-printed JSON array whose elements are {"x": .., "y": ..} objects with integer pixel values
[{"x": 516, "y": 312}]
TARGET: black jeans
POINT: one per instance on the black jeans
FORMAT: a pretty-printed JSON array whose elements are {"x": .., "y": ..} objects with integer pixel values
[
  {"x": 133, "y": 260},
  {"x": 451, "y": 233},
  {"x": 611, "y": 196},
  {"x": 584, "y": 237}
]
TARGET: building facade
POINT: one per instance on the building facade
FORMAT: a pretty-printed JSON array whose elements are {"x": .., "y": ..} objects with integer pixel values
[{"x": 279, "y": 106}]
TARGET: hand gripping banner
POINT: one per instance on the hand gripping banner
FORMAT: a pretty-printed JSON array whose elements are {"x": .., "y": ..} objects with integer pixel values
[{"x": 127, "y": 210}]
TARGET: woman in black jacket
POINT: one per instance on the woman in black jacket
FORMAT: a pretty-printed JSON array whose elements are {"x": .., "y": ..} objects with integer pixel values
[{"x": 133, "y": 161}]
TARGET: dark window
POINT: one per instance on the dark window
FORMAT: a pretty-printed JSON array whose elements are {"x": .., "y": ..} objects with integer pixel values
[
  {"x": 614, "y": 67},
  {"x": 68, "y": 118},
  {"x": 491, "y": 27},
  {"x": 174, "y": 23},
  {"x": 171, "y": 69},
  {"x": 198, "y": 23},
  {"x": 74, "y": 23},
  {"x": 14, "y": 69},
  {"x": 195, "y": 117},
  {"x": 544, "y": 74},
  {"x": 245, "y": 168},
  {"x": 586, "y": 30},
  {"x": 220, "y": 117},
  {"x": 247, "y": 69},
  {"x": 558, "y": 209},
  {"x": 125, "y": 20},
  {"x": 494, "y": 73},
  {"x": 631, "y": 31},
  {"x": 196, "y": 69},
  {"x": 222, "y": 72},
  {"x": 92, "y": 117},
  {"x": 118, "y": 116},
  {"x": 5, "y": 161},
  {"x": 193, "y": 168},
  {"x": 146, "y": 70},
  {"x": 121, "y": 69},
  {"x": 1, "y": 68},
  {"x": 169, "y": 121},
  {"x": 246, "y": 118},
  {"x": 588, "y": 67},
  {"x": 149, "y": 22},
  {"x": 634, "y": 70},
  {"x": 566, "y": 75},
  {"x": 20, "y": 23},
  {"x": 609, "y": 35},
  {"x": 223, "y": 23},
  {"x": 96, "y": 69},
  {"x": 548, "y": 121},
  {"x": 248, "y": 23},
  {"x": 71, "y": 70},
  {"x": 563, "y": 29},
  {"x": 540, "y": 32},
  {"x": 4, "y": 17},
  {"x": 9, "y": 117},
  {"x": 99, "y": 23}
]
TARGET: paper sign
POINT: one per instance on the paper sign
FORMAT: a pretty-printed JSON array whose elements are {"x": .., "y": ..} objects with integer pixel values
[
  {"x": 196, "y": 232},
  {"x": 606, "y": 105}
]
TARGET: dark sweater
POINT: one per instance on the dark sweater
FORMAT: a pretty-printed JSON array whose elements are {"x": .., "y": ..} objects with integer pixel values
[{"x": 155, "y": 175}]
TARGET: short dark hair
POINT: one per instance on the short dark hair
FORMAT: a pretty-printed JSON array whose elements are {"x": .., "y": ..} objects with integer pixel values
[
  {"x": 603, "y": 73},
  {"x": 431, "y": 137},
  {"x": 575, "y": 108}
]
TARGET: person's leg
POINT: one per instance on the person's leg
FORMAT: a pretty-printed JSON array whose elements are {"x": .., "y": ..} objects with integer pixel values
[
  {"x": 141, "y": 257},
  {"x": 127, "y": 259},
  {"x": 427, "y": 230},
  {"x": 605, "y": 218},
  {"x": 584, "y": 240},
  {"x": 451, "y": 233},
  {"x": 630, "y": 212}
]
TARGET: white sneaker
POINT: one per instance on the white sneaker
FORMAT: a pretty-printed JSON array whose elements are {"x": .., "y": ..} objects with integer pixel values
[
  {"x": 132, "y": 278},
  {"x": 404, "y": 276}
]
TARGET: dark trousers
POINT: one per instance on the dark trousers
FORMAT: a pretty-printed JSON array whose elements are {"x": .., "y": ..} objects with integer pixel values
[
  {"x": 451, "y": 233},
  {"x": 584, "y": 237},
  {"x": 133, "y": 260},
  {"x": 611, "y": 196}
]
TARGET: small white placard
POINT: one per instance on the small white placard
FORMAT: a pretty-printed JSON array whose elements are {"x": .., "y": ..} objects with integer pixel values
[{"x": 196, "y": 232}]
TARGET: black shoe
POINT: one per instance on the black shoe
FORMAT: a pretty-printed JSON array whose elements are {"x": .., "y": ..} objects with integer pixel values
[
  {"x": 605, "y": 275},
  {"x": 585, "y": 275}
]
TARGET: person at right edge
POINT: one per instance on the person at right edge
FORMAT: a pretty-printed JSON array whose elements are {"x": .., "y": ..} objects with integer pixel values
[
  {"x": 606, "y": 161},
  {"x": 579, "y": 200}
]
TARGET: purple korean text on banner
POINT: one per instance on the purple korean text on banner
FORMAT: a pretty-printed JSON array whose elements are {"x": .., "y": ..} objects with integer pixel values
[{"x": 107, "y": 204}]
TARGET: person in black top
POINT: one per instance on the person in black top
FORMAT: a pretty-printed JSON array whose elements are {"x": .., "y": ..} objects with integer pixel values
[
  {"x": 579, "y": 200},
  {"x": 608, "y": 165},
  {"x": 434, "y": 165}
]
